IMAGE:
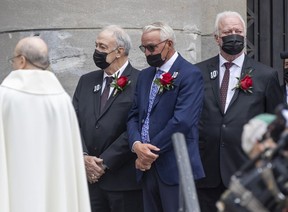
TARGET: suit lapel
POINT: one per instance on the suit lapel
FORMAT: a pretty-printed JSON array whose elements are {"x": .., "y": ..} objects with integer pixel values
[
  {"x": 246, "y": 66},
  {"x": 214, "y": 73},
  {"x": 97, "y": 96},
  {"x": 112, "y": 98},
  {"x": 174, "y": 68}
]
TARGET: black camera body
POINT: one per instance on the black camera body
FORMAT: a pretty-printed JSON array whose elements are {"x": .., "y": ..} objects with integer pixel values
[
  {"x": 261, "y": 188},
  {"x": 262, "y": 183}
]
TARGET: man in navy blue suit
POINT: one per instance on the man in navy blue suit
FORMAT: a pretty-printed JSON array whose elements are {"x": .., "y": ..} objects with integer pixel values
[{"x": 168, "y": 99}]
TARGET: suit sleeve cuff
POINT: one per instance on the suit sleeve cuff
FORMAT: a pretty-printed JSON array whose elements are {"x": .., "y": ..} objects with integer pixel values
[{"x": 134, "y": 144}]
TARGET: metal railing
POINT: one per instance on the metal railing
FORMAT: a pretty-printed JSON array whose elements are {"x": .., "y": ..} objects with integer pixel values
[{"x": 188, "y": 200}]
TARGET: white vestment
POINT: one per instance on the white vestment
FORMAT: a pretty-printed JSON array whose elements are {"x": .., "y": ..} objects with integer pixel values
[{"x": 41, "y": 159}]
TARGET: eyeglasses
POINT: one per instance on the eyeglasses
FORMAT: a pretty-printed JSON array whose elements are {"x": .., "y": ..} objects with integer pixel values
[
  {"x": 150, "y": 47},
  {"x": 11, "y": 59}
]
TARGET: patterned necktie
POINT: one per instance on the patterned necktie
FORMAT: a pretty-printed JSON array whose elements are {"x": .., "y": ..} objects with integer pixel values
[
  {"x": 224, "y": 85},
  {"x": 145, "y": 128},
  {"x": 106, "y": 91}
]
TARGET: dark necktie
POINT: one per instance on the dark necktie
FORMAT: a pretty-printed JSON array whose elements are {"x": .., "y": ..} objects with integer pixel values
[
  {"x": 145, "y": 128},
  {"x": 105, "y": 94},
  {"x": 224, "y": 85}
]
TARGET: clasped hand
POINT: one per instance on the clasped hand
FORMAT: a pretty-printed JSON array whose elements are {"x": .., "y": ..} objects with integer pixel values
[
  {"x": 94, "y": 168},
  {"x": 145, "y": 156}
]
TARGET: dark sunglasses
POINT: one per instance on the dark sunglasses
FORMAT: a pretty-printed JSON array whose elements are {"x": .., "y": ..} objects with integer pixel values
[{"x": 150, "y": 47}]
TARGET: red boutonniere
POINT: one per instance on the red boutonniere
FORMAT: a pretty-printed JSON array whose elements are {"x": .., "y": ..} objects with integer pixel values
[
  {"x": 165, "y": 81},
  {"x": 120, "y": 83},
  {"x": 245, "y": 83}
]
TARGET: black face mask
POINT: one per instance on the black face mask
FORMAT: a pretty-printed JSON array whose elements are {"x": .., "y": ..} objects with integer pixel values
[
  {"x": 233, "y": 44},
  {"x": 286, "y": 75},
  {"x": 100, "y": 59},
  {"x": 156, "y": 59}
]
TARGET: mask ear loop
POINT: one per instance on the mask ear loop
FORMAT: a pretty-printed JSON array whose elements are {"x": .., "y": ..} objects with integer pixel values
[
  {"x": 167, "y": 51},
  {"x": 118, "y": 51},
  {"x": 116, "y": 55}
]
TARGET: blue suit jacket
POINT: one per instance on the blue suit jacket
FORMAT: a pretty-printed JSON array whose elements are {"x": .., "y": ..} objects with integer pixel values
[{"x": 175, "y": 110}]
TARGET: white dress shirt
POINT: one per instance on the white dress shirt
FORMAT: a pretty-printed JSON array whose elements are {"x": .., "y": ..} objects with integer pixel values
[
  {"x": 117, "y": 73},
  {"x": 235, "y": 72}
]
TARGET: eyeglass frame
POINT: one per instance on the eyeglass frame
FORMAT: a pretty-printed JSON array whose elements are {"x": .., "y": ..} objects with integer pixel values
[
  {"x": 150, "y": 47},
  {"x": 11, "y": 59}
]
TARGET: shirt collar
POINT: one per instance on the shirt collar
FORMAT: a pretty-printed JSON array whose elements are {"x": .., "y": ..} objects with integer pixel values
[
  {"x": 33, "y": 81},
  {"x": 166, "y": 66},
  {"x": 118, "y": 72},
  {"x": 238, "y": 61}
]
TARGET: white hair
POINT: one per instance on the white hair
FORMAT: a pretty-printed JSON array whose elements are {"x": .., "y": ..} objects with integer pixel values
[
  {"x": 166, "y": 32},
  {"x": 225, "y": 14},
  {"x": 121, "y": 37}
]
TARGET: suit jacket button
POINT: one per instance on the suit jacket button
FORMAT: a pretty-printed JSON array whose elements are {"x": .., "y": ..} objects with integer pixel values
[
  {"x": 143, "y": 120},
  {"x": 224, "y": 125},
  {"x": 97, "y": 126}
]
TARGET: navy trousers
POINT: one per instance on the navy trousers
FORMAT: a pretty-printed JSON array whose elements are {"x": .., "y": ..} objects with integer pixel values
[{"x": 158, "y": 196}]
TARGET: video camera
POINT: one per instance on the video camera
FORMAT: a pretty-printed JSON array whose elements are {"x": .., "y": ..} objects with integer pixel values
[{"x": 262, "y": 183}]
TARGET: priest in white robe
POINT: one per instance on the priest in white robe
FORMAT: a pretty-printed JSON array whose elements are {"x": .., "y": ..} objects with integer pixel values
[{"x": 41, "y": 161}]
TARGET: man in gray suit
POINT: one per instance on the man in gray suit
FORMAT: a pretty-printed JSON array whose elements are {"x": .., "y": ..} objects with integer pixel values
[
  {"x": 102, "y": 101},
  {"x": 237, "y": 88}
]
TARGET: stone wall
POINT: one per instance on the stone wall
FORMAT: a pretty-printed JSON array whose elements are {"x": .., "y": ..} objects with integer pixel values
[
  {"x": 209, "y": 12},
  {"x": 70, "y": 27}
]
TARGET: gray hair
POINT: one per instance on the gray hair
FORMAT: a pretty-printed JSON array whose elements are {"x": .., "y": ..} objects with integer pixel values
[
  {"x": 36, "y": 56},
  {"x": 121, "y": 37},
  {"x": 225, "y": 14},
  {"x": 166, "y": 32}
]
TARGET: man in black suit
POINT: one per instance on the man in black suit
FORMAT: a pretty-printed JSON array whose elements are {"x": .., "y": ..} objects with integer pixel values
[
  {"x": 102, "y": 108},
  {"x": 233, "y": 95}
]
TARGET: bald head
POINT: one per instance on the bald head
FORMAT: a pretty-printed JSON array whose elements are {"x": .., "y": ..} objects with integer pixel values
[{"x": 35, "y": 52}]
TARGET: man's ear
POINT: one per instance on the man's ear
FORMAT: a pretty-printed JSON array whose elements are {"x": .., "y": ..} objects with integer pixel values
[
  {"x": 119, "y": 51},
  {"x": 217, "y": 39},
  {"x": 170, "y": 43},
  {"x": 23, "y": 62}
]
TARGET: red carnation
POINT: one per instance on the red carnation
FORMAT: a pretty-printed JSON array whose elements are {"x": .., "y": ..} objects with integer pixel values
[
  {"x": 246, "y": 82},
  {"x": 122, "y": 81},
  {"x": 166, "y": 79},
  {"x": 120, "y": 84}
]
